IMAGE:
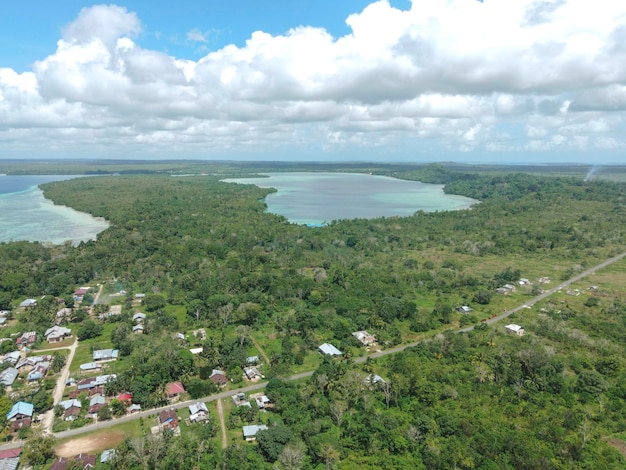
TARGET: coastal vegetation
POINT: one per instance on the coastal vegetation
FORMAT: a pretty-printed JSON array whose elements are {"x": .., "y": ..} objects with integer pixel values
[{"x": 208, "y": 256}]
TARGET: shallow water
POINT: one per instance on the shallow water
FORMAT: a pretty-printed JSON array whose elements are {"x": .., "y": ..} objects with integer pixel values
[
  {"x": 26, "y": 215},
  {"x": 318, "y": 198}
]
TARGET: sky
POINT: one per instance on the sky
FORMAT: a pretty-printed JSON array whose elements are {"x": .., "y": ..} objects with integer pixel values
[{"x": 515, "y": 81}]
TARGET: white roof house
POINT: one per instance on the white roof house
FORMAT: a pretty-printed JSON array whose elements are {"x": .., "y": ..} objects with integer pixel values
[
  {"x": 28, "y": 303},
  {"x": 514, "y": 329},
  {"x": 329, "y": 349},
  {"x": 249, "y": 432},
  {"x": 198, "y": 412},
  {"x": 57, "y": 333},
  {"x": 8, "y": 376},
  {"x": 364, "y": 337},
  {"x": 139, "y": 316},
  {"x": 105, "y": 354}
]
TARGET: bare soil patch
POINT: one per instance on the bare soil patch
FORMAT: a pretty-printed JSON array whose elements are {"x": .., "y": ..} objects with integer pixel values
[
  {"x": 91, "y": 444},
  {"x": 618, "y": 444}
]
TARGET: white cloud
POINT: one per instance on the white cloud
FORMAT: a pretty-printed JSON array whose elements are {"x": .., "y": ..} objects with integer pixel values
[
  {"x": 195, "y": 35},
  {"x": 449, "y": 72}
]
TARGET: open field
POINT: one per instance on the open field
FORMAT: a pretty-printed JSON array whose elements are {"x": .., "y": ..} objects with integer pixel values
[{"x": 92, "y": 443}]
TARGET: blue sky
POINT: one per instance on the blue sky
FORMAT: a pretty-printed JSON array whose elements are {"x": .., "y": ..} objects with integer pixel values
[
  {"x": 29, "y": 30},
  {"x": 525, "y": 81}
]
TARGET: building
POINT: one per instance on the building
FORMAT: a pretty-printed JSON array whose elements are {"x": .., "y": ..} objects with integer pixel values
[
  {"x": 174, "y": 390},
  {"x": 514, "y": 329},
  {"x": 71, "y": 409},
  {"x": 168, "y": 420},
  {"x": 8, "y": 376},
  {"x": 90, "y": 366},
  {"x": 218, "y": 377},
  {"x": 92, "y": 382},
  {"x": 27, "y": 339},
  {"x": 198, "y": 412},
  {"x": 250, "y": 432},
  {"x": 28, "y": 303},
  {"x": 252, "y": 373},
  {"x": 239, "y": 399},
  {"x": 12, "y": 357},
  {"x": 365, "y": 338},
  {"x": 80, "y": 461},
  {"x": 39, "y": 371},
  {"x": 20, "y": 415},
  {"x": 464, "y": 309},
  {"x": 10, "y": 459},
  {"x": 57, "y": 333},
  {"x": 139, "y": 317},
  {"x": 329, "y": 350},
  {"x": 262, "y": 401},
  {"x": 138, "y": 329},
  {"x": 102, "y": 355},
  {"x": 107, "y": 455},
  {"x": 63, "y": 315},
  {"x": 96, "y": 403}
]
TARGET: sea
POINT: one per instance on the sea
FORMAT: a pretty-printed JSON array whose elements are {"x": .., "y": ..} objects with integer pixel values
[
  {"x": 26, "y": 215},
  {"x": 315, "y": 199}
]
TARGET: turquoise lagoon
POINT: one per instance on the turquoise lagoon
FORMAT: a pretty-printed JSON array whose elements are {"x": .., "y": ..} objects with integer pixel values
[
  {"x": 316, "y": 199},
  {"x": 26, "y": 215}
]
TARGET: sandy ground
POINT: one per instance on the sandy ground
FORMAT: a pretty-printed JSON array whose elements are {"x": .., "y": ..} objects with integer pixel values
[{"x": 91, "y": 444}]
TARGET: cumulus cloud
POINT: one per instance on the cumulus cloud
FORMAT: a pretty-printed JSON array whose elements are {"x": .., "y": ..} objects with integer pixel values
[{"x": 451, "y": 72}]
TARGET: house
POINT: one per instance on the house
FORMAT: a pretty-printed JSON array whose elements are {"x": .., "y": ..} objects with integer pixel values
[
  {"x": 3, "y": 322},
  {"x": 107, "y": 455},
  {"x": 140, "y": 297},
  {"x": 198, "y": 412},
  {"x": 252, "y": 373},
  {"x": 98, "y": 381},
  {"x": 524, "y": 282},
  {"x": 174, "y": 390},
  {"x": 96, "y": 403},
  {"x": 125, "y": 397},
  {"x": 63, "y": 315},
  {"x": 329, "y": 349},
  {"x": 102, "y": 355},
  {"x": 514, "y": 329},
  {"x": 8, "y": 376},
  {"x": 180, "y": 336},
  {"x": 464, "y": 309},
  {"x": 27, "y": 339},
  {"x": 57, "y": 333},
  {"x": 71, "y": 409},
  {"x": 239, "y": 399},
  {"x": 364, "y": 337},
  {"x": 168, "y": 420},
  {"x": 262, "y": 401},
  {"x": 20, "y": 415},
  {"x": 80, "y": 461},
  {"x": 39, "y": 372},
  {"x": 249, "y": 432},
  {"x": 374, "y": 379},
  {"x": 89, "y": 366},
  {"x": 28, "y": 303},
  {"x": 80, "y": 293},
  {"x": 134, "y": 408},
  {"x": 139, "y": 317},
  {"x": 10, "y": 459},
  {"x": 29, "y": 363},
  {"x": 138, "y": 329},
  {"x": 252, "y": 360},
  {"x": 218, "y": 377},
  {"x": 12, "y": 357},
  {"x": 196, "y": 350}
]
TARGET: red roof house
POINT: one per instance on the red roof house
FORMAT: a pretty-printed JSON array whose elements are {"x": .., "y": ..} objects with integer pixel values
[{"x": 175, "y": 389}]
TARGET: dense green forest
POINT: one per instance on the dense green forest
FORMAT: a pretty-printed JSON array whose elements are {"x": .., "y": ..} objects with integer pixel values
[{"x": 207, "y": 254}]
